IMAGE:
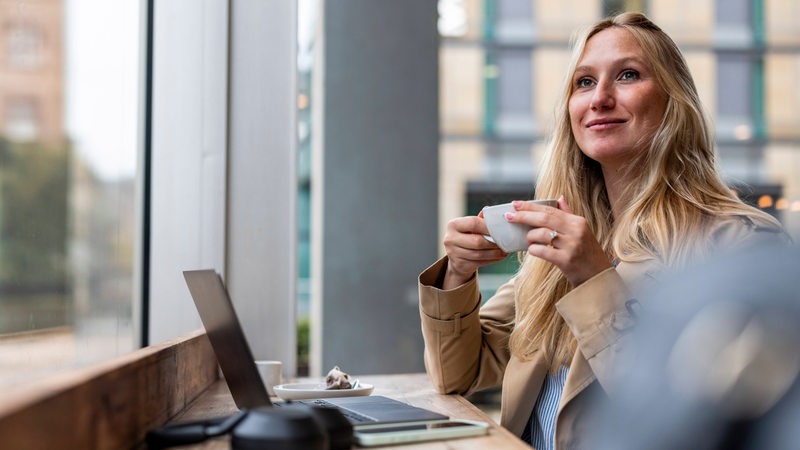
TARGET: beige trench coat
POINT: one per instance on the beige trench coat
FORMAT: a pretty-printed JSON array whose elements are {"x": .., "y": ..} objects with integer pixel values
[{"x": 466, "y": 344}]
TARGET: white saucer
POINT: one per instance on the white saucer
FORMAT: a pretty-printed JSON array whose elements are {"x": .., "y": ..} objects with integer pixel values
[{"x": 300, "y": 391}]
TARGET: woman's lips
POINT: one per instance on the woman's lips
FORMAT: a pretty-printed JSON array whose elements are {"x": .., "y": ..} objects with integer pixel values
[{"x": 602, "y": 124}]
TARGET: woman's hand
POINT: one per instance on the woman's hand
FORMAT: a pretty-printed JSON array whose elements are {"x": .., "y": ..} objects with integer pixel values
[
  {"x": 467, "y": 250},
  {"x": 562, "y": 238}
]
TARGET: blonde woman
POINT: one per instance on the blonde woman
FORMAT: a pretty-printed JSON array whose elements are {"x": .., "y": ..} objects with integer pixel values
[{"x": 632, "y": 164}]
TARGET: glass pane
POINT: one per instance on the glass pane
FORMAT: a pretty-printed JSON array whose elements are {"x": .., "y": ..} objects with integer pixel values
[
  {"x": 515, "y": 83},
  {"x": 514, "y": 10},
  {"x": 68, "y": 144},
  {"x": 733, "y": 12},
  {"x": 514, "y": 96},
  {"x": 734, "y": 75}
]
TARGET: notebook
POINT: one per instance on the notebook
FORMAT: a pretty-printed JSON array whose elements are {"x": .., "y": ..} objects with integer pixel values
[{"x": 239, "y": 369}]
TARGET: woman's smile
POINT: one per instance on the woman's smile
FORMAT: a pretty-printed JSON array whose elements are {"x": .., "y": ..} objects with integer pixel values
[{"x": 604, "y": 124}]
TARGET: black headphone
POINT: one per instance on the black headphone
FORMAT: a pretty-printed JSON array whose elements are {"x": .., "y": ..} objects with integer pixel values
[{"x": 293, "y": 426}]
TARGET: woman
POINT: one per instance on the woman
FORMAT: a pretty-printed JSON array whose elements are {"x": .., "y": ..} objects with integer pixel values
[{"x": 632, "y": 164}]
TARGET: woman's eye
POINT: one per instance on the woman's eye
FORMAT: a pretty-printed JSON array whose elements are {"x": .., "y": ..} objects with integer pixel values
[
  {"x": 629, "y": 75},
  {"x": 584, "y": 82}
]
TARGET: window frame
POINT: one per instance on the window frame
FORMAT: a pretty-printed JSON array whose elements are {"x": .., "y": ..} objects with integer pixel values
[{"x": 224, "y": 118}]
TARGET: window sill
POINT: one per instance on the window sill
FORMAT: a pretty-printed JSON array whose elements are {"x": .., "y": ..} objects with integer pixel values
[{"x": 111, "y": 404}]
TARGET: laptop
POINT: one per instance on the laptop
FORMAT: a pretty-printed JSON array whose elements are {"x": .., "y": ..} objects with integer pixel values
[{"x": 239, "y": 369}]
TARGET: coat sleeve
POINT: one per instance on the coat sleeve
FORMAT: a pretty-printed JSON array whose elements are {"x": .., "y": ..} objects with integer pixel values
[{"x": 466, "y": 344}]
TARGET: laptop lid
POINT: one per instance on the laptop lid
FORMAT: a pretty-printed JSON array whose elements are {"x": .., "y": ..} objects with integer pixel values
[
  {"x": 227, "y": 338},
  {"x": 241, "y": 374}
]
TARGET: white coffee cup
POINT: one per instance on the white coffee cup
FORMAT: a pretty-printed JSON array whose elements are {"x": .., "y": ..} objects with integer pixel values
[
  {"x": 510, "y": 237},
  {"x": 270, "y": 372}
]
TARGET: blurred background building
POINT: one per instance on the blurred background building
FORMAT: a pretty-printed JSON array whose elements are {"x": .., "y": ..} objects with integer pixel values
[{"x": 501, "y": 69}]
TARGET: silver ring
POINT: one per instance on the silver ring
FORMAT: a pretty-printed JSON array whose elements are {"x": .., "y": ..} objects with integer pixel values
[{"x": 553, "y": 236}]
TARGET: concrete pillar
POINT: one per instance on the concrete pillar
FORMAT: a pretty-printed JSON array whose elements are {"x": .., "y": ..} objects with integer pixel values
[{"x": 374, "y": 182}]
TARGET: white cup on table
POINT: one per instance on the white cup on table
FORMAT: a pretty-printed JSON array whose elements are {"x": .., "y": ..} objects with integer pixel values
[{"x": 270, "y": 372}]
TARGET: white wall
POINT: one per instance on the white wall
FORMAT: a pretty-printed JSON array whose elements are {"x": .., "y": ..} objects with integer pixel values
[
  {"x": 262, "y": 183},
  {"x": 189, "y": 134},
  {"x": 223, "y": 165}
]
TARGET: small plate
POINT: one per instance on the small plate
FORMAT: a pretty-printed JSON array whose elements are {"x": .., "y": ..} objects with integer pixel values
[{"x": 301, "y": 391}]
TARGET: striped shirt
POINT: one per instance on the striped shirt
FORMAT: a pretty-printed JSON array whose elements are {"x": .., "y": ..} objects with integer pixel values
[{"x": 543, "y": 419}]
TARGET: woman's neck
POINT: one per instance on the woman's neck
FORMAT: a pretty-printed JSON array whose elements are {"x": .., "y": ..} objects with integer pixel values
[{"x": 616, "y": 184}]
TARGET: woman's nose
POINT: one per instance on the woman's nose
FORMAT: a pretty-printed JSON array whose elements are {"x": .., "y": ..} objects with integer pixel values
[{"x": 603, "y": 96}]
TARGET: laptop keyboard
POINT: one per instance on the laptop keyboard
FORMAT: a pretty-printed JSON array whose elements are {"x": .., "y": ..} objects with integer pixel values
[{"x": 352, "y": 416}]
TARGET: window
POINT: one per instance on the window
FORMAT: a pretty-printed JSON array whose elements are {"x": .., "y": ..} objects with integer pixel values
[
  {"x": 22, "y": 119},
  {"x": 68, "y": 145},
  {"x": 25, "y": 45},
  {"x": 514, "y": 94}
]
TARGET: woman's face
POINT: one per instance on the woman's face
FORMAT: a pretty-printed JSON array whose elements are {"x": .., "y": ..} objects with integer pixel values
[{"x": 616, "y": 104}]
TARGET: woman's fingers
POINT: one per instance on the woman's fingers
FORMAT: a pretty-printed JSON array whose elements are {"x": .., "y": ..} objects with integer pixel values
[
  {"x": 467, "y": 225},
  {"x": 563, "y": 205},
  {"x": 466, "y": 247},
  {"x": 579, "y": 256},
  {"x": 536, "y": 216},
  {"x": 557, "y": 235},
  {"x": 562, "y": 238}
]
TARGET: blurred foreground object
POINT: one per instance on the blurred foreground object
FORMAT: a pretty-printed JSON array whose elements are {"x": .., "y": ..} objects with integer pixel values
[{"x": 715, "y": 359}]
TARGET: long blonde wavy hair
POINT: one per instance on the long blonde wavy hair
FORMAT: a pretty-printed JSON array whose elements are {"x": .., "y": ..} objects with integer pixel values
[{"x": 676, "y": 187}]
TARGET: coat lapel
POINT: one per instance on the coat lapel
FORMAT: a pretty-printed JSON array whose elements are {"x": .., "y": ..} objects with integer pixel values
[
  {"x": 579, "y": 377},
  {"x": 521, "y": 385}
]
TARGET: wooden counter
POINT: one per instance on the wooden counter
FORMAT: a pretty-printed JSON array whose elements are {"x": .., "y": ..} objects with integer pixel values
[
  {"x": 414, "y": 389},
  {"x": 112, "y": 405}
]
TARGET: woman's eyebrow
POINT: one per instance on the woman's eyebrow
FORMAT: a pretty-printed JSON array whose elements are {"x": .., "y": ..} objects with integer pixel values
[
  {"x": 631, "y": 59},
  {"x": 624, "y": 61}
]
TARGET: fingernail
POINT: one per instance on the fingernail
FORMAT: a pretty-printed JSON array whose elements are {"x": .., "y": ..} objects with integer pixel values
[
  {"x": 517, "y": 204},
  {"x": 509, "y": 215}
]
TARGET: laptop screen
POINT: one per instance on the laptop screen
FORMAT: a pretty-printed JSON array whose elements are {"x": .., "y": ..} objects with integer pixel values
[{"x": 227, "y": 338}]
